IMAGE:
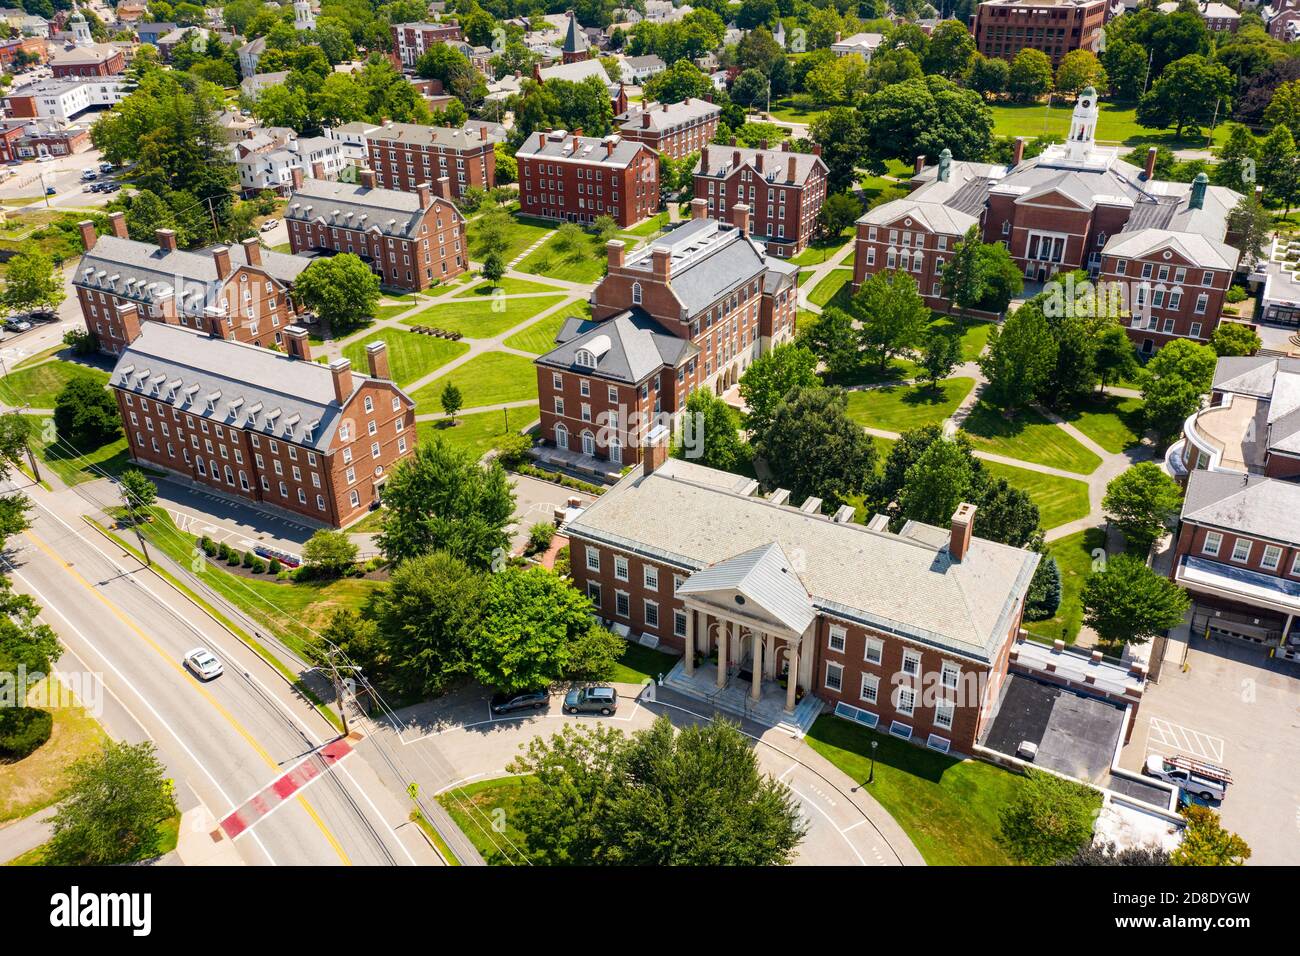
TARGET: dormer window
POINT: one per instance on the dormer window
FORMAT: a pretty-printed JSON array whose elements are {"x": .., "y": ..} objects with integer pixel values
[
  {"x": 585, "y": 358},
  {"x": 636, "y": 293}
]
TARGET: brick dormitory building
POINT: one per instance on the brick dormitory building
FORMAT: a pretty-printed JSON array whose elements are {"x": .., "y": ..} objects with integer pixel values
[
  {"x": 267, "y": 428},
  {"x": 1005, "y": 27},
  {"x": 411, "y": 240},
  {"x": 404, "y": 155},
  {"x": 576, "y": 178},
  {"x": 690, "y": 310},
  {"x": 674, "y": 130},
  {"x": 784, "y": 191},
  {"x": 1162, "y": 247}
]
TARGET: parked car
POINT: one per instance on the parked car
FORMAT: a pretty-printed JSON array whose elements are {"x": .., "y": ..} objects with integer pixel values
[
  {"x": 524, "y": 700},
  {"x": 601, "y": 700},
  {"x": 89, "y": 174},
  {"x": 105, "y": 167},
  {"x": 50, "y": 190},
  {"x": 45, "y": 315},
  {"x": 270, "y": 224},
  {"x": 1194, "y": 777},
  {"x": 111, "y": 187},
  {"x": 203, "y": 663},
  {"x": 17, "y": 325}
]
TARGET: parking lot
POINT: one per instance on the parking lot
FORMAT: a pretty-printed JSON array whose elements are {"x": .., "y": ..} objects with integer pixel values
[{"x": 1232, "y": 705}]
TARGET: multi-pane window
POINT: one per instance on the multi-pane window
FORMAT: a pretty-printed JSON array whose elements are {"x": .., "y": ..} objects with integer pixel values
[
  {"x": 873, "y": 650},
  {"x": 870, "y": 692},
  {"x": 837, "y": 639},
  {"x": 1213, "y": 541},
  {"x": 834, "y": 676},
  {"x": 1241, "y": 550},
  {"x": 593, "y": 559},
  {"x": 1272, "y": 557},
  {"x": 620, "y": 567},
  {"x": 911, "y": 663}
]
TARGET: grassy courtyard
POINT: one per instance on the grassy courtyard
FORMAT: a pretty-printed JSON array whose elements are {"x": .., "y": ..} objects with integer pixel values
[
  {"x": 539, "y": 337},
  {"x": 1028, "y": 437},
  {"x": 520, "y": 234},
  {"x": 899, "y": 408},
  {"x": 973, "y": 333},
  {"x": 410, "y": 355},
  {"x": 480, "y": 431},
  {"x": 948, "y": 807},
  {"x": 483, "y": 318},
  {"x": 487, "y": 379},
  {"x": 1059, "y": 500},
  {"x": 833, "y": 290},
  {"x": 1116, "y": 124},
  {"x": 1074, "y": 555},
  {"x": 584, "y": 261},
  {"x": 640, "y": 663},
  {"x": 1115, "y": 423},
  {"x": 507, "y": 285},
  {"x": 39, "y": 385}
]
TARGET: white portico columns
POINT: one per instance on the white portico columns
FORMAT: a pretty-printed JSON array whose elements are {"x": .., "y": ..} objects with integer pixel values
[
  {"x": 756, "y": 666},
  {"x": 690, "y": 642},
  {"x": 722, "y": 651},
  {"x": 769, "y": 661},
  {"x": 792, "y": 676}
]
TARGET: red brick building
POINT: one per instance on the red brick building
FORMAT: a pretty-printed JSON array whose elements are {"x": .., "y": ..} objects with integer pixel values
[
  {"x": 672, "y": 129},
  {"x": 244, "y": 289},
  {"x": 269, "y": 429},
  {"x": 575, "y": 71},
  {"x": 1283, "y": 19},
  {"x": 576, "y": 178},
  {"x": 575, "y": 48},
  {"x": 907, "y": 633},
  {"x": 404, "y": 155},
  {"x": 96, "y": 59},
  {"x": 411, "y": 240},
  {"x": 32, "y": 46},
  {"x": 691, "y": 310},
  {"x": 11, "y": 131},
  {"x": 784, "y": 191},
  {"x": 1005, "y": 27},
  {"x": 412, "y": 40}
]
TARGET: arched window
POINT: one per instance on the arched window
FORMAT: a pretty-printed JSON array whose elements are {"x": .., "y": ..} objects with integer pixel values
[
  {"x": 561, "y": 436},
  {"x": 636, "y": 293},
  {"x": 588, "y": 444}
]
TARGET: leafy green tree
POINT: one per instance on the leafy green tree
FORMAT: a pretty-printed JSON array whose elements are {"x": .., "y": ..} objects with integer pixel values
[
  {"x": 1236, "y": 166},
  {"x": 834, "y": 340},
  {"x": 1126, "y": 602},
  {"x": 891, "y": 314},
  {"x": 1126, "y": 69},
  {"x": 1030, "y": 75},
  {"x": 530, "y": 625},
  {"x": 329, "y": 553},
  {"x": 812, "y": 447},
  {"x": 1206, "y": 843},
  {"x": 988, "y": 76},
  {"x": 940, "y": 354},
  {"x": 750, "y": 89},
  {"x": 839, "y": 212},
  {"x": 138, "y": 491},
  {"x": 451, "y": 401},
  {"x": 1050, "y": 818},
  {"x": 925, "y": 116},
  {"x": 771, "y": 377},
  {"x": 679, "y": 82},
  {"x": 936, "y": 484},
  {"x": 147, "y": 214},
  {"x": 1279, "y": 167},
  {"x": 1020, "y": 358},
  {"x": 441, "y": 499},
  {"x": 15, "y": 433},
  {"x": 980, "y": 275},
  {"x": 1080, "y": 69},
  {"x": 341, "y": 290},
  {"x": 1005, "y": 514},
  {"x": 112, "y": 808},
  {"x": 1173, "y": 383},
  {"x": 660, "y": 798},
  {"x": 31, "y": 279},
  {"x": 839, "y": 130},
  {"x": 711, "y": 433},
  {"x": 1074, "y": 372},
  {"x": 85, "y": 414},
  {"x": 1143, "y": 502},
  {"x": 1113, "y": 357},
  {"x": 950, "y": 50},
  {"x": 1251, "y": 228},
  {"x": 1233, "y": 338},
  {"x": 1284, "y": 107},
  {"x": 1186, "y": 94}
]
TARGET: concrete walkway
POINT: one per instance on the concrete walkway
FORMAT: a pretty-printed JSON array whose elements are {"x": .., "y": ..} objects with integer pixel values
[{"x": 26, "y": 834}]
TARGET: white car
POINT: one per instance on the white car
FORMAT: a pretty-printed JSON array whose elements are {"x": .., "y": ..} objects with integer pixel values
[
  {"x": 270, "y": 224},
  {"x": 203, "y": 663},
  {"x": 1197, "y": 778}
]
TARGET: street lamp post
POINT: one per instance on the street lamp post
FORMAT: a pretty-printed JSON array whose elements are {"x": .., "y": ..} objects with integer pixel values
[{"x": 871, "y": 776}]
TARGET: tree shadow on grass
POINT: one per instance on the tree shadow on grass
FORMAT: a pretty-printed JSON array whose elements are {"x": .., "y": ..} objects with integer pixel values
[{"x": 985, "y": 421}]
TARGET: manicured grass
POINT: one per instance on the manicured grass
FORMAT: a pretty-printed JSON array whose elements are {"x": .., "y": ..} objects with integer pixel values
[
  {"x": 833, "y": 290},
  {"x": 519, "y": 236},
  {"x": 948, "y": 807},
  {"x": 486, "y": 379},
  {"x": 585, "y": 262},
  {"x": 73, "y": 466},
  {"x": 897, "y": 370},
  {"x": 289, "y": 609},
  {"x": 1116, "y": 124},
  {"x": 38, "y": 357},
  {"x": 39, "y": 385},
  {"x": 507, "y": 285},
  {"x": 33, "y": 783},
  {"x": 477, "y": 807},
  {"x": 640, "y": 662},
  {"x": 539, "y": 338},
  {"x": 974, "y": 333},
  {"x": 393, "y": 311},
  {"x": 1074, "y": 555},
  {"x": 1060, "y": 500},
  {"x": 650, "y": 226},
  {"x": 898, "y": 408},
  {"x": 479, "y": 431},
  {"x": 1029, "y": 437},
  {"x": 819, "y": 250},
  {"x": 1114, "y": 423},
  {"x": 410, "y": 354},
  {"x": 790, "y": 112},
  {"x": 483, "y": 318}
]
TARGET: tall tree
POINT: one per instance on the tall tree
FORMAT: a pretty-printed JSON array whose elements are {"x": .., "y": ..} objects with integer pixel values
[
  {"x": 771, "y": 377},
  {"x": 31, "y": 279},
  {"x": 1020, "y": 358},
  {"x": 1030, "y": 76},
  {"x": 1049, "y": 819},
  {"x": 812, "y": 447},
  {"x": 937, "y": 483},
  {"x": 1126, "y": 602},
  {"x": 891, "y": 315},
  {"x": 1080, "y": 69},
  {"x": 1143, "y": 502},
  {"x": 342, "y": 290},
  {"x": 1206, "y": 843},
  {"x": 711, "y": 433},
  {"x": 1189, "y": 92}
]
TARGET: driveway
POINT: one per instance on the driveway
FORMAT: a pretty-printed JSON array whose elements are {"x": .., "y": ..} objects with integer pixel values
[
  {"x": 1234, "y": 706},
  {"x": 457, "y": 741}
]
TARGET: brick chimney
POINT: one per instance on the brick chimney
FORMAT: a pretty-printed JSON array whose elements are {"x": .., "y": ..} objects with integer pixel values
[
  {"x": 704, "y": 160},
  {"x": 443, "y": 188},
  {"x": 699, "y": 208},
  {"x": 128, "y": 317},
  {"x": 609, "y": 147},
  {"x": 740, "y": 217},
  {"x": 661, "y": 263},
  {"x": 377, "y": 359},
  {"x": 482, "y": 133},
  {"x": 425, "y": 192},
  {"x": 758, "y": 160},
  {"x": 645, "y": 120},
  {"x": 614, "y": 250},
  {"x": 166, "y": 239},
  {"x": 252, "y": 251},
  {"x": 918, "y": 164},
  {"x": 785, "y": 146},
  {"x": 296, "y": 344},
  {"x": 221, "y": 258},
  {"x": 367, "y": 178},
  {"x": 791, "y": 168},
  {"x": 295, "y": 177},
  {"x": 1018, "y": 151},
  {"x": 341, "y": 373},
  {"x": 88, "y": 234},
  {"x": 656, "y": 452},
  {"x": 817, "y": 149},
  {"x": 735, "y": 157},
  {"x": 963, "y": 523},
  {"x": 1149, "y": 170},
  {"x": 317, "y": 170},
  {"x": 117, "y": 223}
]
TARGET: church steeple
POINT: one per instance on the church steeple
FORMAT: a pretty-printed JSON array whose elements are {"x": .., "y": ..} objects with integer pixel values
[
  {"x": 303, "y": 18},
  {"x": 1083, "y": 126},
  {"x": 80, "y": 29},
  {"x": 575, "y": 48}
]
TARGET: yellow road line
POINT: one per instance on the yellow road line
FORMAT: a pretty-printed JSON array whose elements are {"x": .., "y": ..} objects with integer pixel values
[{"x": 229, "y": 718}]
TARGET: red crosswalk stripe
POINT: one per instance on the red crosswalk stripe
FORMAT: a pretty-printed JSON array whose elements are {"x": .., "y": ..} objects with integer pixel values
[{"x": 285, "y": 787}]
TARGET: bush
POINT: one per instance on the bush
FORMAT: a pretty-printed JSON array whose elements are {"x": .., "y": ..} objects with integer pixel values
[
  {"x": 512, "y": 449},
  {"x": 540, "y": 535},
  {"x": 1236, "y": 294},
  {"x": 234, "y": 558},
  {"x": 208, "y": 545},
  {"x": 22, "y": 730},
  {"x": 329, "y": 553},
  {"x": 248, "y": 559},
  {"x": 1044, "y": 591},
  {"x": 80, "y": 341},
  {"x": 561, "y": 566},
  {"x": 259, "y": 566},
  {"x": 276, "y": 567},
  {"x": 223, "y": 551}
]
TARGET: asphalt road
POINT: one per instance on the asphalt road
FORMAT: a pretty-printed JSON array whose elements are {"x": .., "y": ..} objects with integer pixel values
[{"x": 227, "y": 739}]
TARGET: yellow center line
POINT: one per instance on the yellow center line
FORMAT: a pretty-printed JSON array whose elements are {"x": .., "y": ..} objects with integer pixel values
[{"x": 189, "y": 678}]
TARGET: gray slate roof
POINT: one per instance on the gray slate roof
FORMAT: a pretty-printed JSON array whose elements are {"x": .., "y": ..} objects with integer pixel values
[
  {"x": 629, "y": 348},
  {"x": 889, "y": 582},
  {"x": 660, "y": 118},
  {"x": 722, "y": 161},
  {"x": 587, "y": 149},
  {"x": 575, "y": 40},
  {"x": 454, "y": 138},
  {"x": 249, "y": 387},
  {"x": 577, "y": 72},
  {"x": 762, "y": 575},
  {"x": 1250, "y": 504},
  {"x": 393, "y": 212},
  {"x": 709, "y": 260}
]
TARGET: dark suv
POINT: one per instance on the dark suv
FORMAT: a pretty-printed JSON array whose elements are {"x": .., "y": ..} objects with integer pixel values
[
  {"x": 591, "y": 700},
  {"x": 524, "y": 700}
]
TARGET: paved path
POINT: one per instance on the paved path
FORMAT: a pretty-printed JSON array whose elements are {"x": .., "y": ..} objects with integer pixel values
[{"x": 26, "y": 834}]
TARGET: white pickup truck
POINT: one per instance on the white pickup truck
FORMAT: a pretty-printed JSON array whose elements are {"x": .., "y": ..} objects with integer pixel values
[{"x": 1200, "y": 779}]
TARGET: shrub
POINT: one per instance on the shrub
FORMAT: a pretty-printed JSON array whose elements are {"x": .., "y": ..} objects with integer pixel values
[
  {"x": 1236, "y": 294},
  {"x": 540, "y": 535},
  {"x": 259, "y": 566},
  {"x": 276, "y": 567},
  {"x": 512, "y": 449},
  {"x": 1044, "y": 591},
  {"x": 80, "y": 341},
  {"x": 234, "y": 558},
  {"x": 248, "y": 559},
  {"x": 22, "y": 730},
  {"x": 561, "y": 566},
  {"x": 223, "y": 551}
]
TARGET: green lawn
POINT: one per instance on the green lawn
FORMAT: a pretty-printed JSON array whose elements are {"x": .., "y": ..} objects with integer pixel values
[
  {"x": 833, "y": 290},
  {"x": 507, "y": 285},
  {"x": 477, "y": 806},
  {"x": 791, "y": 113},
  {"x": 539, "y": 337},
  {"x": 1074, "y": 555},
  {"x": 1114, "y": 423},
  {"x": 39, "y": 385},
  {"x": 948, "y": 807},
  {"x": 819, "y": 250},
  {"x": 521, "y": 234},
  {"x": 1116, "y": 124},
  {"x": 393, "y": 311},
  {"x": 650, "y": 226},
  {"x": 640, "y": 662},
  {"x": 896, "y": 370},
  {"x": 410, "y": 354},
  {"x": 974, "y": 333},
  {"x": 73, "y": 466},
  {"x": 585, "y": 262},
  {"x": 899, "y": 408},
  {"x": 486, "y": 379},
  {"x": 484, "y": 318},
  {"x": 1060, "y": 500},
  {"x": 480, "y": 431},
  {"x": 1029, "y": 437}
]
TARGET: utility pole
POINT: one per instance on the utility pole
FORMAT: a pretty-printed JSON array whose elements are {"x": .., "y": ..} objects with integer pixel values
[
  {"x": 339, "y": 687},
  {"x": 31, "y": 457},
  {"x": 135, "y": 526}
]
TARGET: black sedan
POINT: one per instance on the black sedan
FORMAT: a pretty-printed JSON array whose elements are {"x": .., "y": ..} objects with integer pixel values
[{"x": 524, "y": 700}]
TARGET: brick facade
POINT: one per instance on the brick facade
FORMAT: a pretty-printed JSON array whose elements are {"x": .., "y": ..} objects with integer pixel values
[
  {"x": 575, "y": 178},
  {"x": 405, "y": 156},
  {"x": 1005, "y": 27}
]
